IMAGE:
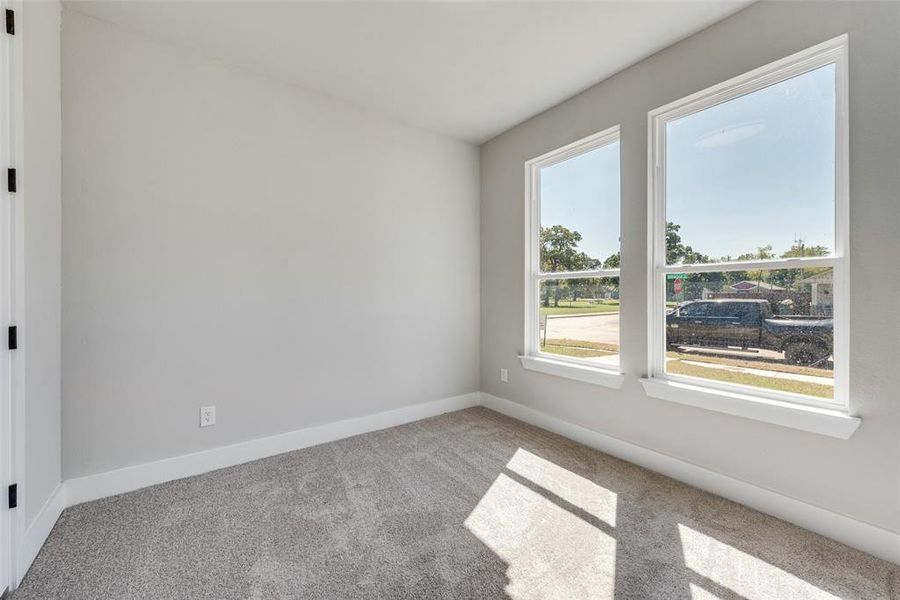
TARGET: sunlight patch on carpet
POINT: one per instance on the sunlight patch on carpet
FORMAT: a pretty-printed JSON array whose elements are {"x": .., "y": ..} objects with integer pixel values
[
  {"x": 583, "y": 493},
  {"x": 744, "y": 574},
  {"x": 550, "y": 551}
]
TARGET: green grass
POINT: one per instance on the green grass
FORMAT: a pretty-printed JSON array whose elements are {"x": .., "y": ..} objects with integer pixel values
[
  {"x": 578, "y": 348},
  {"x": 580, "y": 307},
  {"x": 782, "y": 385},
  {"x": 767, "y": 365}
]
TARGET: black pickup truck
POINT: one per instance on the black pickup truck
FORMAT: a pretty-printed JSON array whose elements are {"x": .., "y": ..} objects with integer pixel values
[{"x": 750, "y": 324}]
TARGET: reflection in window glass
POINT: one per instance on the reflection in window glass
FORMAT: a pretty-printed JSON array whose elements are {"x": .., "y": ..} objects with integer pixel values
[
  {"x": 753, "y": 178},
  {"x": 769, "y": 329},
  {"x": 579, "y": 207},
  {"x": 579, "y": 318}
]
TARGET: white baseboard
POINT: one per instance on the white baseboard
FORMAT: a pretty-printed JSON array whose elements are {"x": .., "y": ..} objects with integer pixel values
[
  {"x": 110, "y": 483},
  {"x": 37, "y": 532},
  {"x": 863, "y": 536}
]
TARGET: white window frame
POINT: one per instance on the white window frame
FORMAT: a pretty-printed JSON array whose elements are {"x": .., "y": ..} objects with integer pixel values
[
  {"x": 791, "y": 410},
  {"x": 533, "y": 359}
]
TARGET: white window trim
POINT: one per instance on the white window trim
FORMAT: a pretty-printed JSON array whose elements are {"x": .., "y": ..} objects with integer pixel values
[
  {"x": 752, "y": 402},
  {"x": 579, "y": 371},
  {"x": 533, "y": 359},
  {"x": 824, "y": 421}
]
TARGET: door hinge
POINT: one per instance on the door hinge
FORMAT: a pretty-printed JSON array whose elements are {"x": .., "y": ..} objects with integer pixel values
[
  {"x": 13, "y": 338},
  {"x": 14, "y": 495},
  {"x": 10, "y": 21},
  {"x": 11, "y": 180}
]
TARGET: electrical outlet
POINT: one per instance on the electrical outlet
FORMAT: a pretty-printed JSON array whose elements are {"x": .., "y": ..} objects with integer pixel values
[
  {"x": 207, "y": 416},
  {"x": 504, "y": 375}
]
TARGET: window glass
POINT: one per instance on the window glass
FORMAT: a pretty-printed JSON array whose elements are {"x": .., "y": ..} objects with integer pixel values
[
  {"x": 789, "y": 350},
  {"x": 726, "y": 310},
  {"x": 579, "y": 209},
  {"x": 696, "y": 309},
  {"x": 753, "y": 178},
  {"x": 579, "y": 318}
]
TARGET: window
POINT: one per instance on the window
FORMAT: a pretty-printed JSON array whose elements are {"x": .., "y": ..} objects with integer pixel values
[
  {"x": 694, "y": 310},
  {"x": 572, "y": 304},
  {"x": 749, "y": 216}
]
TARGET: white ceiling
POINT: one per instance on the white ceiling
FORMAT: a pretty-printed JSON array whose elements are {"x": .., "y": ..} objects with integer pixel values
[{"x": 466, "y": 69}]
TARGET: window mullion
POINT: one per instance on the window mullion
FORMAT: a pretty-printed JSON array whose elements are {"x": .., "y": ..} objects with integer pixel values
[
  {"x": 721, "y": 267},
  {"x": 577, "y": 274}
]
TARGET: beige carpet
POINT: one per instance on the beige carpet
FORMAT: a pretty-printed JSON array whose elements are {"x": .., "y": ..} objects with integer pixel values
[{"x": 467, "y": 505}]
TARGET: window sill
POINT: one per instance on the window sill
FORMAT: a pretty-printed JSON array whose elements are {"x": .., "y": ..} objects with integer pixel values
[
  {"x": 585, "y": 373},
  {"x": 824, "y": 421}
]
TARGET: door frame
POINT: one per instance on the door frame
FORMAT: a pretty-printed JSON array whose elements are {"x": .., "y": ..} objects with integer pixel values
[{"x": 12, "y": 302}]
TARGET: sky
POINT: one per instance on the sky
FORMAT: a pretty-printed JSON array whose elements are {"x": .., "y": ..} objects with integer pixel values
[
  {"x": 582, "y": 194},
  {"x": 753, "y": 171}
]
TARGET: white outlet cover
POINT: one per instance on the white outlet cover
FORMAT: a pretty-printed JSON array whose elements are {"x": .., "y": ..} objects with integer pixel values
[
  {"x": 504, "y": 375},
  {"x": 207, "y": 416}
]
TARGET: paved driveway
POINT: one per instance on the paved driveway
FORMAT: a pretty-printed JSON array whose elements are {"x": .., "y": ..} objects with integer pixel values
[{"x": 602, "y": 328}]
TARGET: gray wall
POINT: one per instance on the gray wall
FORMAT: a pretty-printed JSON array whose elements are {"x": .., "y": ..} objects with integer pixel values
[
  {"x": 859, "y": 477},
  {"x": 230, "y": 240},
  {"x": 39, "y": 23}
]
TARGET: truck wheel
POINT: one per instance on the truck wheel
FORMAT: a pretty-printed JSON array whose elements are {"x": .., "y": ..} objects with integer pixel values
[{"x": 805, "y": 353}]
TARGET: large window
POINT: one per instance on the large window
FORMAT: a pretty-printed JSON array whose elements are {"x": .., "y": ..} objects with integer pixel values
[
  {"x": 572, "y": 309},
  {"x": 749, "y": 216}
]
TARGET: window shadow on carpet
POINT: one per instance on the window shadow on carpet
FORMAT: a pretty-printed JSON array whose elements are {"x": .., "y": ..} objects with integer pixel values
[{"x": 574, "y": 523}]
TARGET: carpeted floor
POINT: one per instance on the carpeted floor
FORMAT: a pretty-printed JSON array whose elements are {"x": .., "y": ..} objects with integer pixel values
[{"x": 466, "y": 505}]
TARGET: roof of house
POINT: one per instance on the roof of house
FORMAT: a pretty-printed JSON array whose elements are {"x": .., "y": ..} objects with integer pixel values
[
  {"x": 749, "y": 285},
  {"x": 824, "y": 277}
]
